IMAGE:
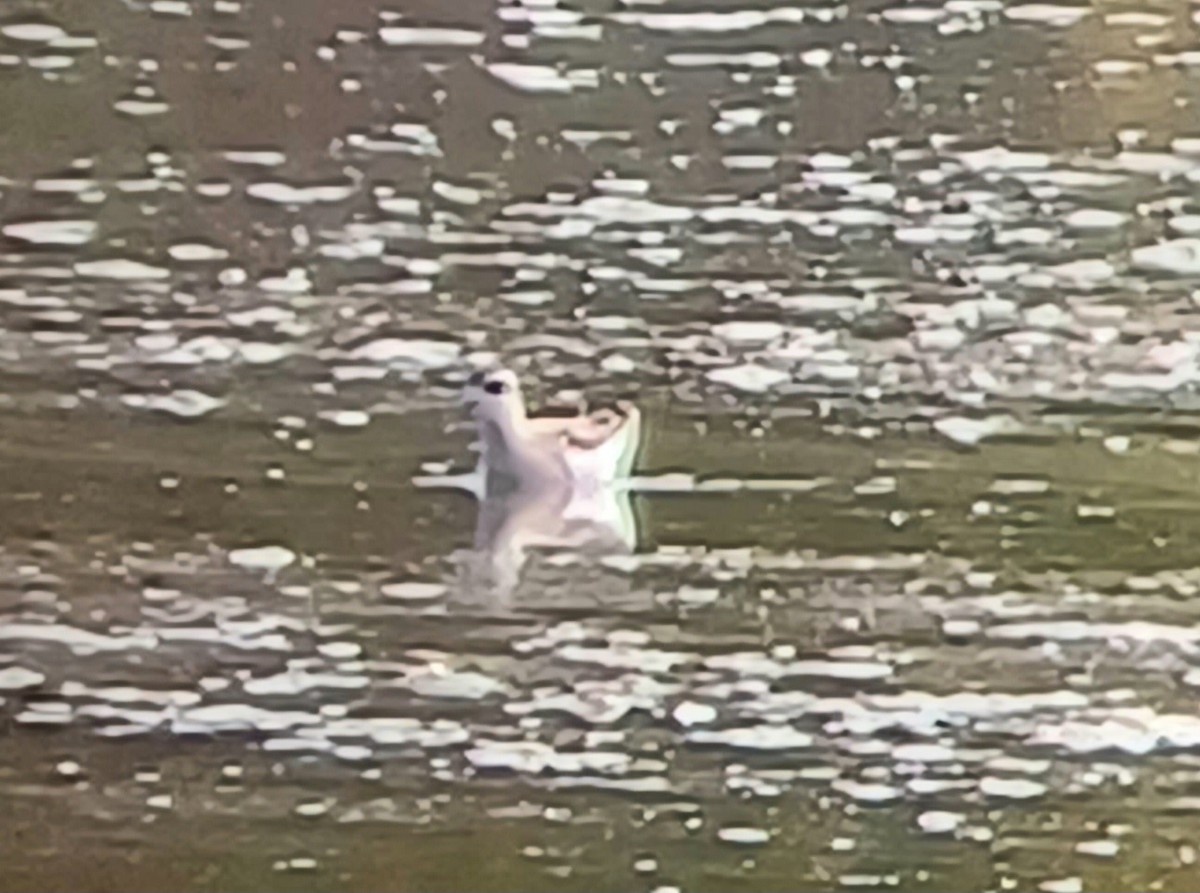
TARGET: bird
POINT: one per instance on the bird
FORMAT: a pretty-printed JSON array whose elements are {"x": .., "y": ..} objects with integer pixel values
[{"x": 587, "y": 450}]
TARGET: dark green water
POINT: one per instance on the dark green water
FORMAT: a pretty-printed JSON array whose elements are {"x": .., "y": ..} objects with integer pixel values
[{"x": 902, "y": 596}]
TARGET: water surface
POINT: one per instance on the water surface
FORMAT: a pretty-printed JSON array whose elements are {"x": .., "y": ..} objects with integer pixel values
[{"x": 902, "y": 595}]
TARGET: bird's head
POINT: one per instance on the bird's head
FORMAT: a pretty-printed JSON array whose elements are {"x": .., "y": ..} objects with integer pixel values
[{"x": 495, "y": 396}]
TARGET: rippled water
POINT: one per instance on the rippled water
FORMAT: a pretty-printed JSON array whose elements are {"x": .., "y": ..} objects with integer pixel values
[{"x": 902, "y": 593}]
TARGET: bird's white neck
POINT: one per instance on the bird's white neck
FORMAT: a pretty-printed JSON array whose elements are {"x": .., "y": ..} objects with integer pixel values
[{"x": 512, "y": 423}]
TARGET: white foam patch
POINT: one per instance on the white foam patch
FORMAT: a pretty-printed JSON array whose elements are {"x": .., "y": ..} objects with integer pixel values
[
  {"x": 46, "y": 713},
  {"x": 1180, "y": 257},
  {"x": 1047, "y": 14},
  {"x": 922, "y": 753},
  {"x": 413, "y": 590},
  {"x": 1095, "y": 218},
  {"x": 542, "y": 78},
  {"x": 72, "y": 185},
  {"x": 1159, "y": 164},
  {"x": 263, "y": 558},
  {"x": 430, "y": 37},
  {"x": 648, "y": 660},
  {"x": 932, "y": 235},
  {"x": 867, "y": 792},
  {"x": 141, "y": 108},
  {"x": 914, "y": 15},
  {"x": 179, "y": 8},
  {"x": 120, "y": 269},
  {"x": 1062, "y": 885},
  {"x": 535, "y": 757},
  {"x": 744, "y": 835},
  {"x": 757, "y": 215},
  {"x": 255, "y": 157},
  {"x": 131, "y": 695},
  {"x": 1011, "y": 788},
  {"x": 754, "y": 59},
  {"x": 416, "y": 353},
  {"x": 1085, "y": 631},
  {"x": 239, "y": 717},
  {"x": 80, "y": 641},
  {"x": 751, "y": 663},
  {"x": 295, "y": 281},
  {"x": 261, "y": 353},
  {"x": 183, "y": 403},
  {"x": 346, "y": 418},
  {"x": 442, "y": 683},
  {"x": 1185, "y": 224},
  {"x": 598, "y": 702},
  {"x": 33, "y": 32},
  {"x": 287, "y": 194},
  {"x": 1000, "y": 158},
  {"x": 194, "y": 252},
  {"x": 1135, "y": 730},
  {"x": 691, "y": 713},
  {"x": 752, "y": 378},
  {"x": 1083, "y": 273},
  {"x": 616, "y": 209},
  {"x": 396, "y": 731},
  {"x": 16, "y": 678},
  {"x": 715, "y": 22},
  {"x": 294, "y": 682},
  {"x": 969, "y": 431},
  {"x": 939, "y": 821},
  {"x": 416, "y": 138},
  {"x": 52, "y": 232},
  {"x": 748, "y": 332},
  {"x": 921, "y": 713},
  {"x": 760, "y": 737},
  {"x": 1103, "y": 848}
]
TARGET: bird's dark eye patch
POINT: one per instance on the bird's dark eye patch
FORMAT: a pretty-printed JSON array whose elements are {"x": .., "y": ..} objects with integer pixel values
[{"x": 495, "y": 387}]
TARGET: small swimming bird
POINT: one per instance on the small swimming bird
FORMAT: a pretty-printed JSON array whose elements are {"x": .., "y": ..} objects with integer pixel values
[{"x": 586, "y": 450}]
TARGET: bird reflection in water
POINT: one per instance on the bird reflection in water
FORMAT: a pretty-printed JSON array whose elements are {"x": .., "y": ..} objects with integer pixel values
[{"x": 515, "y": 522}]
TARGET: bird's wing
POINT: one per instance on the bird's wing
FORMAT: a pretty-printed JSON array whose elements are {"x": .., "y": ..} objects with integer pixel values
[
  {"x": 599, "y": 446},
  {"x": 583, "y": 432},
  {"x": 591, "y": 431}
]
